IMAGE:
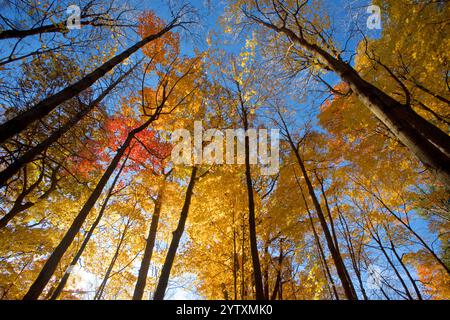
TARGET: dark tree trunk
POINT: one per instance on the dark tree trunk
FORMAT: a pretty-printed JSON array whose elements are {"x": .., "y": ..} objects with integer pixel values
[
  {"x": 101, "y": 289},
  {"x": 149, "y": 245},
  {"x": 88, "y": 236},
  {"x": 426, "y": 141},
  {"x": 408, "y": 274},
  {"x": 259, "y": 291},
  {"x": 31, "y": 154},
  {"x": 60, "y": 27},
  {"x": 19, "y": 206},
  {"x": 235, "y": 256},
  {"x": 243, "y": 287},
  {"x": 50, "y": 266},
  {"x": 340, "y": 267},
  {"x": 277, "y": 286},
  {"x": 338, "y": 262},
  {"x": 177, "y": 234},
  {"x": 41, "y": 109},
  {"x": 377, "y": 239},
  {"x": 319, "y": 246},
  {"x": 351, "y": 250}
]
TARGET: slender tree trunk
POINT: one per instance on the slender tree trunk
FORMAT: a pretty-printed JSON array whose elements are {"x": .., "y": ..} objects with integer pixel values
[
  {"x": 88, "y": 236},
  {"x": 101, "y": 289},
  {"x": 50, "y": 266},
  {"x": 41, "y": 109},
  {"x": 333, "y": 230},
  {"x": 235, "y": 255},
  {"x": 19, "y": 206},
  {"x": 377, "y": 239},
  {"x": 259, "y": 292},
  {"x": 408, "y": 274},
  {"x": 427, "y": 142},
  {"x": 352, "y": 253},
  {"x": 243, "y": 288},
  {"x": 266, "y": 272},
  {"x": 410, "y": 229},
  {"x": 177, "y": 234},
  {"x": 319, "y": 246},
  {"x": 31, "y": 154},
  {"x": 149, "y": 245},
  {"x": 338, "y": 262},
  {"x": 277, "y": 286}
]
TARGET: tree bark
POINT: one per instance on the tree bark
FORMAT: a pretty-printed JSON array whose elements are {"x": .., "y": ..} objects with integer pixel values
[
  {"x": 338, "y": 262},
  {"x": 377, "y": 239},
  {"x": 257, "y": 275},
  {"x": 177, "y": 234},
  {"x": 31, "y": 154},
  {"x": 149, "y": 245},
  {"x": 88, "y": 236},
  {"x": 41, "y": 109},
  {"x": 101, "y": 289},
  {"x": 319, "y": 246},
  {"x": 50, "y": 266},
  {"x": 427, "y": 142},
  {"x": 277, "y": 286}
]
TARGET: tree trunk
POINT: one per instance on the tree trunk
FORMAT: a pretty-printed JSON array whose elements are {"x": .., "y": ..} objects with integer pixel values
[
  {"x": 319, "y": 246},
  {"x": 427, "y": 142},
  {"x": 349, "y": 242},
  {"x": 338, "y": 262},
  {"x": 277, "y": 286},
  {"x": 177, "y": 234},
  {"x": 101, "y": 289},
  {"x": 88, "y": 236},
  {"x": 377, "y": 239},
  {"x": 31, "y": 154},
  {"x": 149, "y": 245},
  {"x": 408, "y": 274},
  {"x": 259, "y": 291},
  {"x": 60, "y": 27},
  {"x": 49, "y": 268},
  {"x": 243, "y": 288},
  {"x": 41, "y": 109},
  {"x": 235, "y": 255}
]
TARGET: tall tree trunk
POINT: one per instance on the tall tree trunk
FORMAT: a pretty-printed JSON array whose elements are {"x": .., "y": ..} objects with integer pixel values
[
  {"x": 377, "y": 239},
  {"x": 50, "y": 266},
  {"x": 259, "y": 291},
  {"x": 41, "y": 109},
  {"x": 60, "y": 27},
  {"x": 177, "y": 234},
  {"x": 319, "y": 245},
  {"x": 338, "y": 262},
  {"x": 266, "y": 272},
  {"x": 351, "y": 250},
  {"x": 101, "y": 289},
  {"x": 243, "y": 287},
  {"x": 31, "y": 154},
  {"x": 149, "y": 245},
  {"x": 408, "y": 274},
  {"x": 333, "y": 230},
  {"x": 277, "y": 286},
  {"x": 235, "y": 255},
  {"x": 427, "y": 142},
  {"x": 88, "y": 236}
]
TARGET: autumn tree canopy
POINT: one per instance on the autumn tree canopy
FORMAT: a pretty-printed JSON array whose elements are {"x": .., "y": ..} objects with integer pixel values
[{"x": 238, "y": 150}]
